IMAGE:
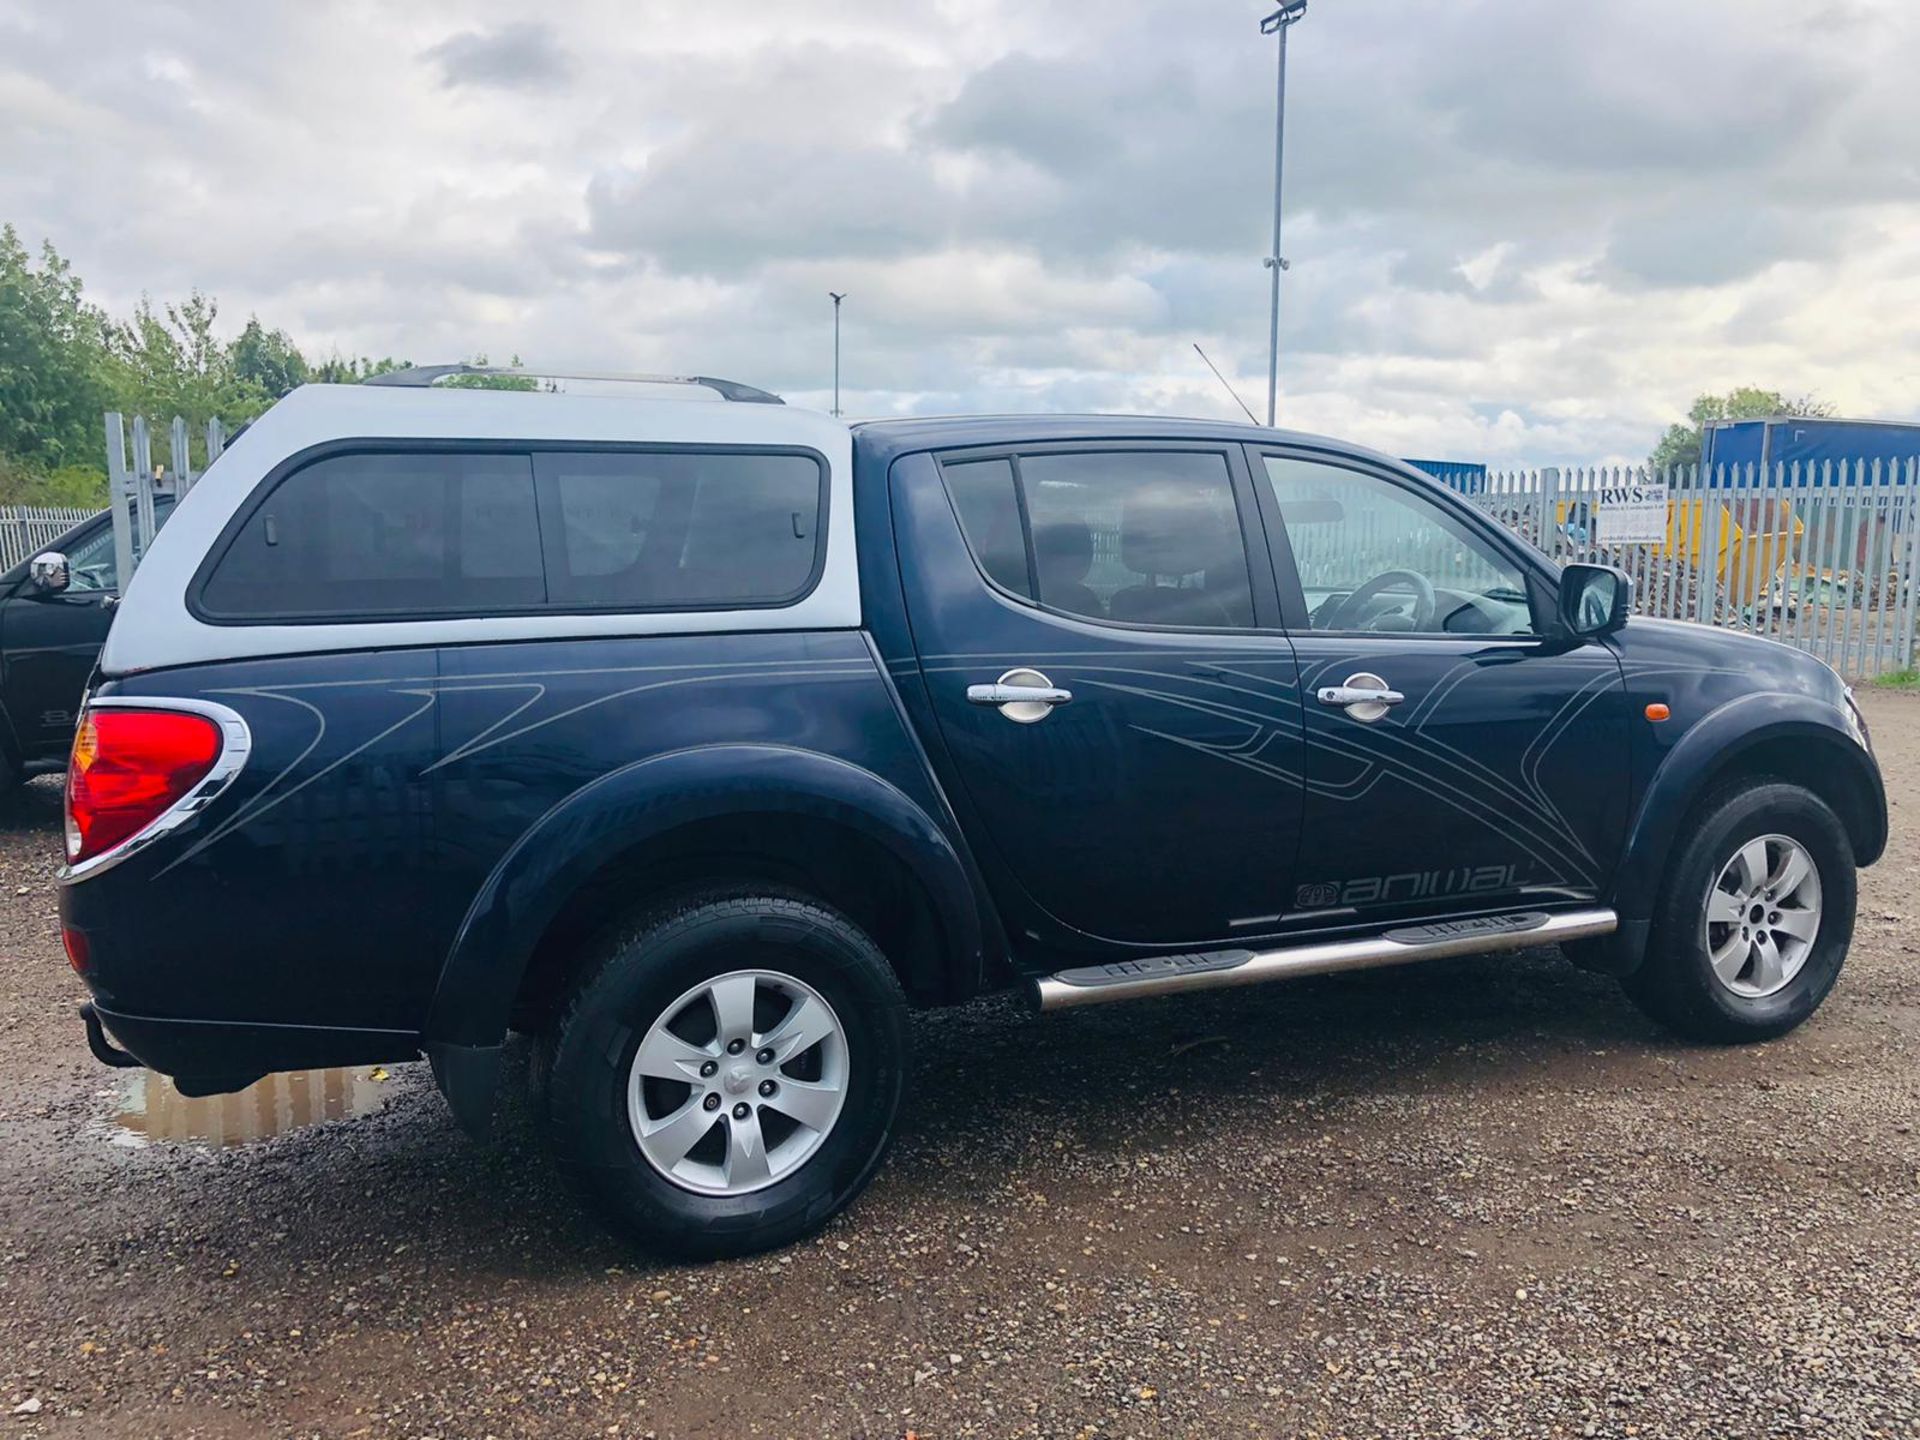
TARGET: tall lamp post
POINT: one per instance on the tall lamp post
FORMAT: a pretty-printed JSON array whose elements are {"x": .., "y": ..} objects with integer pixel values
[
  {"x": 1278, "y": 23},
  {"x": 837, "y": 298}
]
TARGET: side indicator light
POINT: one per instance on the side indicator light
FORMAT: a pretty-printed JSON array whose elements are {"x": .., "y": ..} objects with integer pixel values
[{"x": 1657, "y": 712}]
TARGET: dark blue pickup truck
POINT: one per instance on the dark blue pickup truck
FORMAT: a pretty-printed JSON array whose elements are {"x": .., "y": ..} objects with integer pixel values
[{"x": 702, "y": 738}]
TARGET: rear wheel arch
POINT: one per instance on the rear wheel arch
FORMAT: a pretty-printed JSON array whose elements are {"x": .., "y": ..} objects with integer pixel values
[
  {"x": 707, "y": 819},
  {"x": 764, "y": 852}
]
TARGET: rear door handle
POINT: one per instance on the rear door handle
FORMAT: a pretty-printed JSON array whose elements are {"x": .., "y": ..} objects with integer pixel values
[
  {"x": 1021, "y": 695},
  {"x": 1017, "y": 694},
  {"x": 1344, "y": 695}
]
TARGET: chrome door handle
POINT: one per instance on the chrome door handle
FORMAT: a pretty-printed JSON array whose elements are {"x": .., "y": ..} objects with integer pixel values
[
  {"x": 1017, "y": 694},
  {"x": 1365, "y": 696},
  {"x": 1344, "y": 695},
  {"x": 1022, "y": 695}
]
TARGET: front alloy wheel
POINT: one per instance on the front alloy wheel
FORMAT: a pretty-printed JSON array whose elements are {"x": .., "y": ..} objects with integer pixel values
[
  {"x": 1763, "y": 916},
  {"x": 1753, "y": 922}
]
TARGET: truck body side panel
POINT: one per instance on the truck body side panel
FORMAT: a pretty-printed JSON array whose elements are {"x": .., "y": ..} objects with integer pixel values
[{"x": 386, "y": 788}]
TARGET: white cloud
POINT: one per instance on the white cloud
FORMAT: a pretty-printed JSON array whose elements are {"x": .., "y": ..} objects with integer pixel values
[{"x": 1519, "y": 231}]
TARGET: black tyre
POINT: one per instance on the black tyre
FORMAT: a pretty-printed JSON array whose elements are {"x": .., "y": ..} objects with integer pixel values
[
  {"x": 726, "y": 1077},
  {"x": 1753, "y": 925}
]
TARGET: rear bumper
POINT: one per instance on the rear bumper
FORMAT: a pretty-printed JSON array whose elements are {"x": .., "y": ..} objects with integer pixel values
[{"x": 211, "y": 1056}]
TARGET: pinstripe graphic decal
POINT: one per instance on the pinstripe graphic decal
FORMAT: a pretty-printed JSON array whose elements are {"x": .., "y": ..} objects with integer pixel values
[
  {"x": 429, "y": 690},
  {"x": 1408, "y": 754}
]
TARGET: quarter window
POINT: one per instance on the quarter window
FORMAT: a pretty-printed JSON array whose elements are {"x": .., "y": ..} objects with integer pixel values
[
  {"x": 1146, "y": 537},
  {"x": 989, "y": 507},
  {"x": 368, "y": 535},
  {"x": 1375, "y": 556}
]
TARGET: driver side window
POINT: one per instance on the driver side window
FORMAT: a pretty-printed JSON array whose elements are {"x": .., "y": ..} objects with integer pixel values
[
  {"x": 92, "y": 565},
  {"x": 1375, "y": 557}
]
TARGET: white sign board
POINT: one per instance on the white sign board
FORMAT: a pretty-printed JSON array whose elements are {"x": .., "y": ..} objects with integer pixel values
[{"x": 1632, "y": 514}]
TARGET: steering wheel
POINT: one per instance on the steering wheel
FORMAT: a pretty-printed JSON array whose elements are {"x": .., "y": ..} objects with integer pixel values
[{"x": 1350, "y": 611}]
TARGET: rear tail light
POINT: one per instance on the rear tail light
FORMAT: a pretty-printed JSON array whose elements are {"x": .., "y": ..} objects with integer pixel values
[{"x": 129, "y": 767}]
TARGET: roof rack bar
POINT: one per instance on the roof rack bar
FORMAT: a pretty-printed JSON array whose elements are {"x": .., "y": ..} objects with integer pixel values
[{"x": 421, "y": 376}]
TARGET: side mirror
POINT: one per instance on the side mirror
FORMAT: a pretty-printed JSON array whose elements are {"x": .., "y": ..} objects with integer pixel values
[
  {"x": 1595, "y": 600},
  {"x": 49, "y": 573}
]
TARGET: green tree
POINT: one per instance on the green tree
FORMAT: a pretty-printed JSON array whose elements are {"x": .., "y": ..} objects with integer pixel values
[
  {"x": 171, "y": 363},
  {"x": 54, "y": 364},
  {"x": 63, "y": 362},
  {"x": 353, "y": 370},
  {"x": 83, "y": 486},
  {"x": 1681, "y": 444},
  {"x": 266, "y": 361}
]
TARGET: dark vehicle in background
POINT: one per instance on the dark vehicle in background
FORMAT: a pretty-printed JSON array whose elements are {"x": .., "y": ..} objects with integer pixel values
[
  {"x": 55, "y": 609},
  {"x": 703, "y": 739}
]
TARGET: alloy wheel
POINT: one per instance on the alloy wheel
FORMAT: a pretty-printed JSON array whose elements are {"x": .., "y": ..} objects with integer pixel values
[
  {"x": 738, "y": 1082},
  {"x": 1762, "y": 916}
]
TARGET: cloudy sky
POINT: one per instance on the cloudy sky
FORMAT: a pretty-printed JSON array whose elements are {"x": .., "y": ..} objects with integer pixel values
[{"x": 1521, "y": 230}]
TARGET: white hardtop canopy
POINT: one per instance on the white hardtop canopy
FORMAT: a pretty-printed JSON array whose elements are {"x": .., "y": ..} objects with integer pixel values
[{"x": 154, "y": 627}]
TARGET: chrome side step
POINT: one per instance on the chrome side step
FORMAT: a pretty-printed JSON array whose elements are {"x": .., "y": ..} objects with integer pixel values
[{"x": 1215, "y": 969}]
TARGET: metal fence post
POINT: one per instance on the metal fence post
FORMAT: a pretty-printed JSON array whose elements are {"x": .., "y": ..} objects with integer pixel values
[
  {"x": 182, "y": 456},
  {"x": 142, "y": 493},
  {"x": 1549, "y": 511},
  {"x": 1909, "y": 609},
  {"x": 120, "y": 495},
  {"x": 1709, "y": 566}
]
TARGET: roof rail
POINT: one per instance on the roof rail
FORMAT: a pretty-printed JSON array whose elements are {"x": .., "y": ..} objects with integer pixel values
[{"x": 421, "y": 376}]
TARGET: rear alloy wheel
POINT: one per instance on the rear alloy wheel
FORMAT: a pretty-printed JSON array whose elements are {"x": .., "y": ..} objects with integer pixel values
[
  {"x": 1753, "y": 925},
  {"x": 726, "y": 1076},
  {"x": 720, "y": 1105}
]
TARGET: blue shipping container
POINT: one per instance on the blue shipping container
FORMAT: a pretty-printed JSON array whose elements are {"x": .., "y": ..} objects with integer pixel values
[
  {"x": 1801, "y": 440},
  {"x": 1467, "y": 478}
]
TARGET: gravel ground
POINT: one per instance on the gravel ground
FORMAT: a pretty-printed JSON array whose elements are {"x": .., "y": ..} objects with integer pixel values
[{"x": 1478, "y": 1198}]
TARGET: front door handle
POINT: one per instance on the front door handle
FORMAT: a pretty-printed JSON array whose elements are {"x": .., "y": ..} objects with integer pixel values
[
  {"x": 1022, "y": 695},
  {"x": 1364, "y": 696}
]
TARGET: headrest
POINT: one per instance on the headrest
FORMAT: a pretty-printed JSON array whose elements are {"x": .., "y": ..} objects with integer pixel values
[
  {"x": 1064, "y": 550},
  {"x": 1172, "y": 531}
]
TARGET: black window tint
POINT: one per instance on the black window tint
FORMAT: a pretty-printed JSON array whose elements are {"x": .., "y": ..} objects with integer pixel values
[
  {"x": 1147, "y": 537},
  {"x": 376, "y": 535},
  {"x": 983, "y": 494},
  {"x": 640, "y": 531}
]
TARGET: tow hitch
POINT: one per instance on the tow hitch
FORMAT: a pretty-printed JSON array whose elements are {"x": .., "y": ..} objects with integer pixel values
[{"x": 104, "y": 1050}]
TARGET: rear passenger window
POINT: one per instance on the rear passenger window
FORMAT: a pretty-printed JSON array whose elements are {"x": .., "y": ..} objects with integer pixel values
[
  {"x": 382, "y": 535},
  {"x": 642, "y": 530},
  {"x": 1147, "y": 537}
]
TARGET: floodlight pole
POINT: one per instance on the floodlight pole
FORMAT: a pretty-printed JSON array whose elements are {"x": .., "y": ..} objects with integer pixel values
[
  {"x": 837, "y": 298},
  {"x": 1277, "y": 24}
]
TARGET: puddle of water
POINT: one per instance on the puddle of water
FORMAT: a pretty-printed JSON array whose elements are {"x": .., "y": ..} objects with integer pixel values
[{"x": 149, "y": 1109}]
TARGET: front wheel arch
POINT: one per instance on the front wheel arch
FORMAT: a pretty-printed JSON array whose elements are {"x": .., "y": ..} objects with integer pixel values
[{"x": 1794, "y": 739}]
